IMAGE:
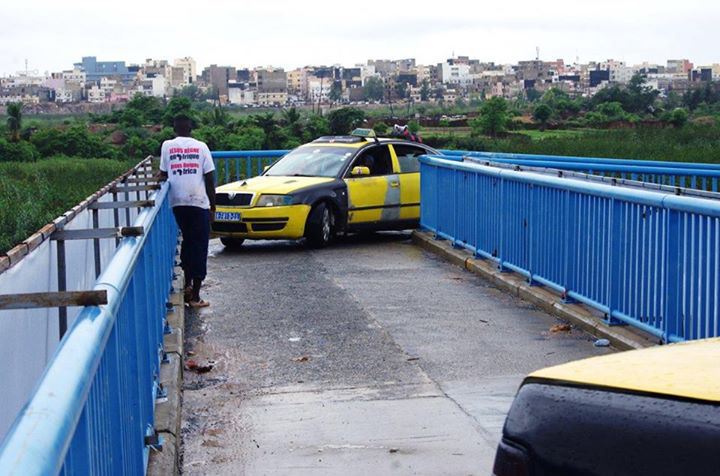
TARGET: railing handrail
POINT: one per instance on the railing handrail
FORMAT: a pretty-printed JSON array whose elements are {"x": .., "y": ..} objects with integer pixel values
[
  {"x": 41, "y": 434},
  {"x": 653, "y": 198},
  {"x": 598, "y": 167},
  {"x": 241, "y": 154},
  {"x": 565, "y": 159},
  {"x": 594, "y": 177}
]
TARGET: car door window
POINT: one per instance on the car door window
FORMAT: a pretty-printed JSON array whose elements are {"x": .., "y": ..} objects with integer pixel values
[
  {"x": 407, "y": 156},
  {"x": 377, "y": 159}
]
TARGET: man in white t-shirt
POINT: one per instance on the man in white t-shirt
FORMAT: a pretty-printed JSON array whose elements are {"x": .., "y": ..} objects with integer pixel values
[{"x": 187, "y": 164}]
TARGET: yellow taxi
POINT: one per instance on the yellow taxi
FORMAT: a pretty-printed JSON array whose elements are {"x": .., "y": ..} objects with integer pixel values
[
  {"x": 654, "y": 411},
  {"x": 334, "y": 184}
]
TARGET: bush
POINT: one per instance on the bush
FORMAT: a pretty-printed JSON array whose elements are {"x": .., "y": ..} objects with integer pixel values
[
  {"x": 17, "y": 151},
  {"x": 76, "y": 141}
]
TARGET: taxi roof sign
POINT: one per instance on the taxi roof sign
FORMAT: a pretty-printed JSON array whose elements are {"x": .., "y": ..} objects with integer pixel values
[{"x": 367, "y": 133}]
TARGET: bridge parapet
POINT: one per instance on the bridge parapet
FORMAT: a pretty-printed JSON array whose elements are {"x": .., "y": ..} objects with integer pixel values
[
  {"x": 643, "y": 258},
  {"x": 93, "y": 409}
]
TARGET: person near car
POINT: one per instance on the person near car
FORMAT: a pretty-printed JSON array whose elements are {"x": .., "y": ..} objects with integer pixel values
[{"x": 187, "y": 165}]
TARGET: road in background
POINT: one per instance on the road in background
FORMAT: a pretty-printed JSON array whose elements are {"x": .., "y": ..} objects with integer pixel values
[{"x": 368, "y": 357}]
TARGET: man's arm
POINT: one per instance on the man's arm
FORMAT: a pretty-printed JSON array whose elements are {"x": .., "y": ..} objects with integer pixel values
[
  {"x": 210, "y": 190},
  {"x": 162, "y": 174}
]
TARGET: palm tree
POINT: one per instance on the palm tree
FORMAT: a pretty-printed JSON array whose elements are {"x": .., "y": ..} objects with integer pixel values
[
  {"x": 14, "y": 121},
  {"x": 291, "y": 117}
]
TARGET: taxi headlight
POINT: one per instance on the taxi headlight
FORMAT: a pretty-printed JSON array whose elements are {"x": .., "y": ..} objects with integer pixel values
[{"x": 273, "y": 200}]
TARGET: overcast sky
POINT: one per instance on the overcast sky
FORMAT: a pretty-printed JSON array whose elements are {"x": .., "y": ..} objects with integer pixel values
[{"x": 53, "y": 34}]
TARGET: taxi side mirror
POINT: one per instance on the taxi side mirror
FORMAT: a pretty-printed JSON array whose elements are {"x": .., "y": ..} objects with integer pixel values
[
  {"x": 360, "y": 171},
  {"x": 266, "y": 168}
]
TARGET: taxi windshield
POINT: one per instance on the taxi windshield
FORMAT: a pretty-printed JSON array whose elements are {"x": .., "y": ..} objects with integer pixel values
[{"x": 312, "y": 161}]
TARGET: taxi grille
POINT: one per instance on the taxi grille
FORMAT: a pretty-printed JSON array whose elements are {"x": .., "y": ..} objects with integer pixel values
[
  {"x": 236, "y": 199},
  {"x": 230, "y": 227}
]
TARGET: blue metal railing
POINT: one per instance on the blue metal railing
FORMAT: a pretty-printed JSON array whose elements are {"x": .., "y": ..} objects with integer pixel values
[
  {"x": 238, "y": 165},
  {"x": 94, "y": 405},
  {"x": 648, "y": 259},
  {"x": 242, "y": 164},
  {"x": 700, "y": 176}
]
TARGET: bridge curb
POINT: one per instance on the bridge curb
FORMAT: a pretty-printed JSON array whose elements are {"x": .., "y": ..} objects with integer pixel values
[
  {"x": 580, "y": 316},
  {"x": 168, "y": 412}
]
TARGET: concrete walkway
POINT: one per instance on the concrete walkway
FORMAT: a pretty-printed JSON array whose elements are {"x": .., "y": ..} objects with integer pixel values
[{"x": 369, "y": 357}]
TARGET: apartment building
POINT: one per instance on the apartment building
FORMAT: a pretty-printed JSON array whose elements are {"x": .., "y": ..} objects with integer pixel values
[{"x": 189, "y": 69}]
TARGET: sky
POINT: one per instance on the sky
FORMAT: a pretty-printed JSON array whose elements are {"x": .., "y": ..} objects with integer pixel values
[{"x": 52, "y": 35}]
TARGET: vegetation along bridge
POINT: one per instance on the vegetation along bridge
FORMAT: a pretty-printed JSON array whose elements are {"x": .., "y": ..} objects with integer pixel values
[{"x": 370, "y": 355}]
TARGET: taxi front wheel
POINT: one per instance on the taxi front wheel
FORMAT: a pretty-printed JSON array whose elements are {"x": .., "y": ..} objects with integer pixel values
[{"x": 320, "y": 226}]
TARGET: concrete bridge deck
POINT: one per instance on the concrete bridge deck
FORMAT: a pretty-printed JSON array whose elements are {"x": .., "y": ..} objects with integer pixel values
[{"x": 369, "y": 357}]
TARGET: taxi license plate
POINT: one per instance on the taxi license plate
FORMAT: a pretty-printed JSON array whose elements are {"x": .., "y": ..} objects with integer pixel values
[{"x": 227, "y": 216}]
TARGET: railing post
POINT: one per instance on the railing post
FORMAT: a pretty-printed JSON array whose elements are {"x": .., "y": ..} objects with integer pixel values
[
  {"x": 569, "y": 248},
  {"x": 673, "y": 274},
  {"x": 617, "y": 277},
  {"x": 96, "y": 241},
  {"x": 501, "y": 223},
  {"x": 62, "y": 286}
]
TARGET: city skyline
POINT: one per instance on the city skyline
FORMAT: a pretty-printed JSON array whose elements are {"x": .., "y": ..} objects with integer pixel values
[{"x": 294, "y": 34}]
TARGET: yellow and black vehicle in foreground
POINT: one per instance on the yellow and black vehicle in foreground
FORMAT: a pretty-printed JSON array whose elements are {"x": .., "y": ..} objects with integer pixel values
[
  {"x": 647, "y": 412},
  {"x": 333, "y": 184}
]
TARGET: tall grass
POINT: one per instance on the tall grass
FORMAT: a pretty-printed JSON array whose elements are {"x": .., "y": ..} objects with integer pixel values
[
  {"x": 35, "y": 193},
  {"x": 689, "y": 144}
]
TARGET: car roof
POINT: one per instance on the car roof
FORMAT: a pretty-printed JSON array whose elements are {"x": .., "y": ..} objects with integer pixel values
[
  {"x": 684, "y": 370},
  {"x": 355, "y": 142}
]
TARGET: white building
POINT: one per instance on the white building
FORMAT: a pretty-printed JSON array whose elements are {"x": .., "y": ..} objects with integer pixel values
[
  {"x": 159, "y": 86},
  {"x": 96, "y": 94},
  {"x": 272, "y": 98},
  {"x": 76, "y": 75},
  {"x": 319, "y": 89},
  {"x": 456, "y": 74},
  {"x": 189, "y": 69},
  {"x": 241, "y": 95}
]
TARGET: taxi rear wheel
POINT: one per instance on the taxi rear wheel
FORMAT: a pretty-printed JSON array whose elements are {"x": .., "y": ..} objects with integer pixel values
[
  {"x": 320, "y": 227},
  {"x": 232, "y": 243}
]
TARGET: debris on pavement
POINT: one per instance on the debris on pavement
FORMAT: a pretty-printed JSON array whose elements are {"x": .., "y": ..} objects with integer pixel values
[
  {"x": 302, "y": 358},
  {"x": 193, "y": 366},
  {"x": 560, "y": 328},
  {"x": 393, "y": 450},
  {"x": 602, "y": 343}
]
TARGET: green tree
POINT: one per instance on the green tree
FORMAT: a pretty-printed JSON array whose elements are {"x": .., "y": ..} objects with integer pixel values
[
  {"x": 273, "y": 135},
  {"x": 342, "y": 121},
  {"x": 147, "y": 109},
  {"x": 291, "y": 119},
  {"x": 217, "y": 116},
  {"x": 190, "y": 91},
  {"x": 401, "y": 90},
  {"x": 335, "y": 93},
  {"x": 75, "y": 141},
  {"x": 678, "y": 117},
  {"x": 20, "y": 151},
  {"x": 425, "y": 90},
  {"x": 374, "y": 89},
  {"x": 493, "y": 118},
  {"x": 177, "y": 105},
  {"x": 14, "y": 120},
  {"x": 381, "y": 129},
  {"x": 414, "y": 127},
  {"x": 315, "y": 126},
  {"x": 532, "y": 94},
  {"x": 541, "y": 114}
]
